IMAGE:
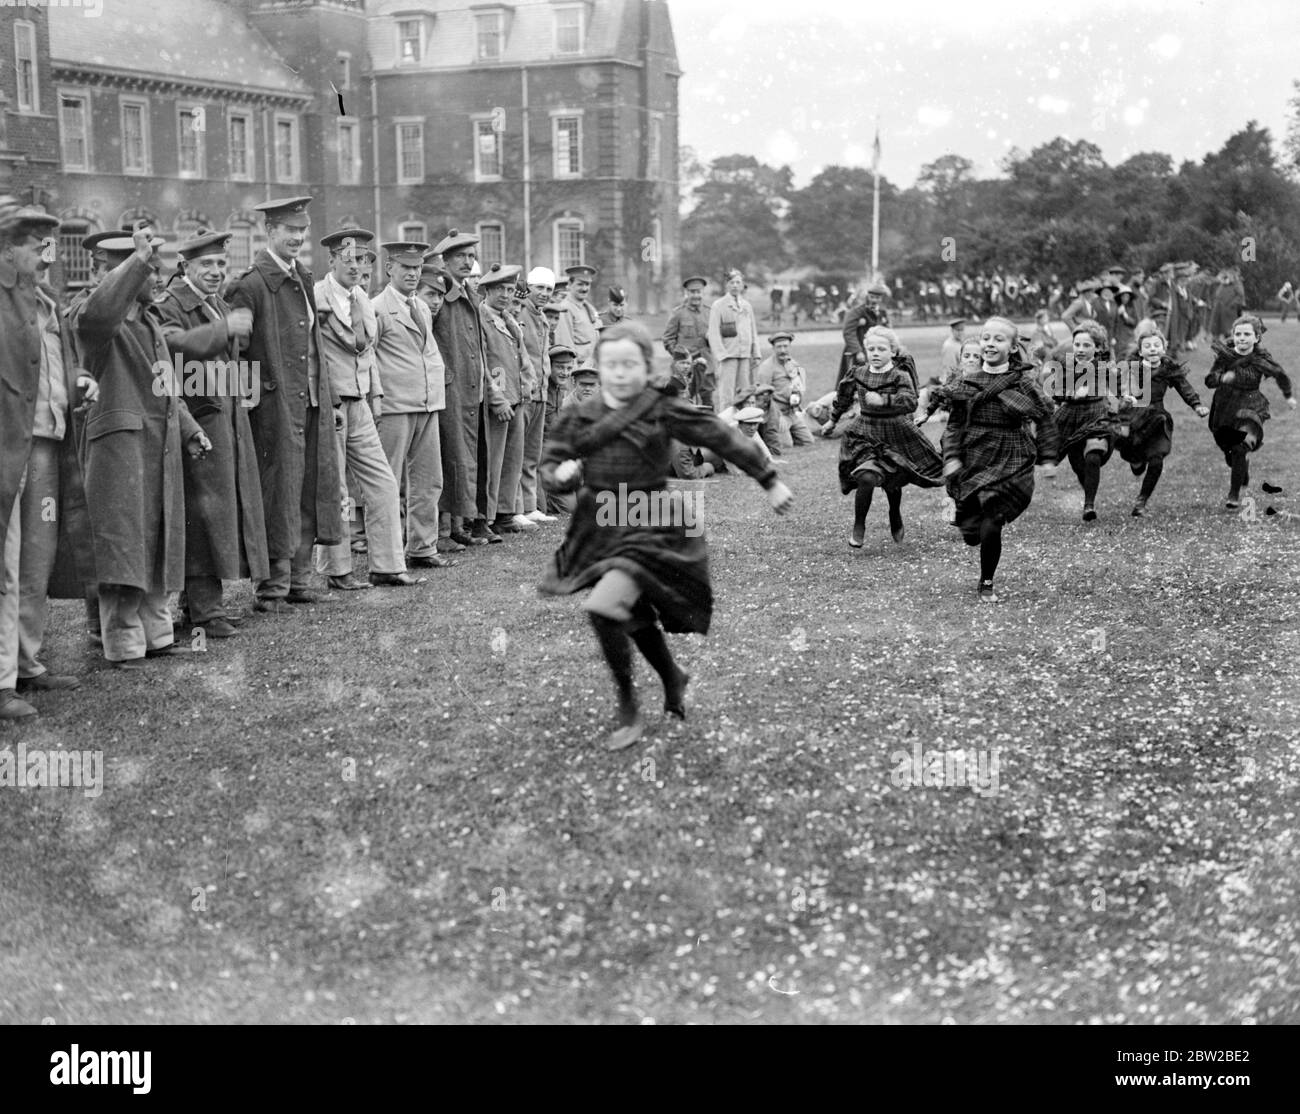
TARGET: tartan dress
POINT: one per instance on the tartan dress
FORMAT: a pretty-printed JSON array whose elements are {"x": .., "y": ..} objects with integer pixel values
[
  {"x": 633, "y": 446},
  {"x": 885, "y": 437},
  {"x": 1241, "y": 401},
  {"x": 989, "y": 432},
  {"x": 1151, "y": 427}
]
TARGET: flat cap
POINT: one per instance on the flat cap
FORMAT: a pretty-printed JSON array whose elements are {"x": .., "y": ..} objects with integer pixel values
[
  {"x": 956, "y": 321},
  {"x": 687, "y": 283},
  {"x": 780, "y": 336},
  {"x": 584, "y": 373},
  {"x": 561, "y": 351},
  {"x": 13, "y": 215},
  {"x": 434, "y": 279},
  {"x": 125, "y": 245},
  {"x": 750, "y": 414},
  {"x": 879, "y": 288}
]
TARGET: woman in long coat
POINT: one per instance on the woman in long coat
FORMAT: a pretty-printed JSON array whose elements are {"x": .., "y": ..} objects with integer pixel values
[
  {"x": 135, "y": 491},
  {"x": 882, "y": 448}
]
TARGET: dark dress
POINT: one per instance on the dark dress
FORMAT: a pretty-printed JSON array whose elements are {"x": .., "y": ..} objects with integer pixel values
[
  {"x": 885, "y": 437},
  {"x": 633, "y": 447},
  {"x": 1241, "y": 401},
  {"x": 1001, "y": 425},
  {"x": 1079, "y": 420},
  {"x": 1151, "y": 427}
]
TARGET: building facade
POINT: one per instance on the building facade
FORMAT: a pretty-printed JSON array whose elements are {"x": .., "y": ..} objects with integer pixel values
[{"x": 549, "y": 126}]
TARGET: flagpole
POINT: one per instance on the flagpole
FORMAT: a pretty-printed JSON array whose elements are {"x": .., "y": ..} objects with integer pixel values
[{"x": 875, "y": 206}]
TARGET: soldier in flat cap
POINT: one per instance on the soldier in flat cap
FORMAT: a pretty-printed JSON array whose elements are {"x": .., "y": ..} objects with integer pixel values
[
  {"x": 733, "y": 337},
  {"x": 579, "y": 324},
  {"x": 225, "y": 522},
  {"x": 688, "y": 328},
  {"x": 34, "y": 405},
  {"x": 510, "y": 372},
  {"x": 789, "y": 383},
  {"x": 458, "y": 330},
  {"x": 415, "y": 393},
  {"x": 349, "y": 331},
  {"x": 135, "y": 430},
  {"x": 294, "y": 421}
]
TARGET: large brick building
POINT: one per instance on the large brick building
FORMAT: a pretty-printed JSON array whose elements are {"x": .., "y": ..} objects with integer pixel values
[{"x": 550, "y": 126}]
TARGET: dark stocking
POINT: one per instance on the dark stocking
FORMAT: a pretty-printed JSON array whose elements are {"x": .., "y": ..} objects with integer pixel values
[
  {"x": 862, "y": 504},
  {"x": 650, "y": 641},
  {"x": 1091, "y": 477},
  {"x": 615, "y": 645},
  {"x": 990, "y": 548},
  {"x": 1240, "y": 467},
  {"x": 895, "y": 498},
  {"x": 1155, "y": 468}
]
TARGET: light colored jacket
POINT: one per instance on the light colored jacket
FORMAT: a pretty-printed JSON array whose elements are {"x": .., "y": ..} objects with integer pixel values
[
  {"x": 741, "y": 316},
  {"x": 348, "y": 351},
  {"x": 414, "y": 373}
]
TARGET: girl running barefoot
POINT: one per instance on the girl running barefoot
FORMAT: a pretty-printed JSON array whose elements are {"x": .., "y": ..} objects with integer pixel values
[
  {"x": 989, "y": 450},
  {"x": 639, "y": 547},
  {"x": 1151, "y": 427},
  {"x": 882, "y": 448},
  {"x": 1084, "y": 419},
  {"x": 1239, "y": 409}
]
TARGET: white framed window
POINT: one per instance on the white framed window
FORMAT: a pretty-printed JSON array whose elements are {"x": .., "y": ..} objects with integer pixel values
[
  {"x": 77, "y": 262},
  {"x": 410, "y": 150},
  {"x": 570, "y": 243},
  {"x": 192, "y": 131},
  {"x": 489, "y": 35},
  {"x": 135, "y": 136},
  {"x": 344, "y": 60},
  {"x": 74, "y": 130},
  {"x": 410, "y": 41},
  {"x": 241, "y": 248},
  {"x": 655, "y": 147},
  {"x": 491, "y": 243},
  {"x": 29, "y": 89},
  {"x": 569, "y": 29},
  {"x": 566, "y": 140},
  {"x": 241, "y": 146},
  {"x": 487, "y": 151},
  {"x": 413, "y": 232},
  {"x": 286, "y": 148},
  {"x": 349, "y": 137}
]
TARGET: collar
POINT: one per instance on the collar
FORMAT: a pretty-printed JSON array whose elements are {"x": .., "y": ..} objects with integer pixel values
[
  {"x": 340, "y": 297},
  {"x": 286, "y": 265}
]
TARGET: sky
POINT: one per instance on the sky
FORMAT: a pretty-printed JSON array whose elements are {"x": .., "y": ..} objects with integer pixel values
[{"x": 801, "y": 83}]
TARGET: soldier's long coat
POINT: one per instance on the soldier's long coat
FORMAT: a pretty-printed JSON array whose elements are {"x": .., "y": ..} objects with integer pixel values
[
  {"x": 135, "y": 492},
  {"x": 290, "y": 488},
  {"x": 225, "y": 531}
]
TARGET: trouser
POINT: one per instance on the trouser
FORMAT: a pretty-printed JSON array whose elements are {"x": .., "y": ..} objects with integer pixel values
[
  {"x": 779, "y": 420},
  {"x": 704, "y": 386},
  {"x": 39, "y": 545},
  {"x": 291, "y": 573},
  {"x": 203, "y": 598},
  {"x": 501, "y": 455},
  {"x": 534, "y": 433},
  {"x": 414, "y": 450},
  {"x": 733, "y": 374},
  {"x": 134, "y": 620},
  {"x": 458, "y": 428},
  {"x": 361, "y": 457},
  {"x": 9, "y": 602}
]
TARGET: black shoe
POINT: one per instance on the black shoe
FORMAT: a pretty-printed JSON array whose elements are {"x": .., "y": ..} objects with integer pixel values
[
  {"x": 395, "y": 580},
  {"x": 433, "y": 561},
  {"x": 485, "y": 533},
  {"x": 172, "y": 651},
  {"x": 1271, "y": 488},
  {"x": 12, "y": 707},
  {"x": 504, "y": 526},
  {"x": 631, "y": 726},
  {"x": 896, "y": 527},
  {"x": 302, "y": 596},
  {"x": 1139, "y": 467},
  {"x": 464, "y": 539},
  {"x": 348, "y": 583},
  {"x": 857, "y": 537},
  {"x": 47, "y": 682},
  {"x": 1089, "y": 513},
  {"x": 986, "y": 592},
  {"x": 275, "y": 606},
  {"x": 675, "y": 697},
  {"x": 1140, "y": 509},
  {"x": 446, "y": 545}
]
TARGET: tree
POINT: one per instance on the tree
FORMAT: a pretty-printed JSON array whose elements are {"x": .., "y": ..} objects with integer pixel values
[
  {"x": 830, "y": 219},
  {"x": 736, "y": 218}
]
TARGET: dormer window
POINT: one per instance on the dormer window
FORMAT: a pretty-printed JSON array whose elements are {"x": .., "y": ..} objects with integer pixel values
[
  {"x": 569, "y": 28},
  {"x": 489, "y": 36},
  {"x": 410, "y": 41}
]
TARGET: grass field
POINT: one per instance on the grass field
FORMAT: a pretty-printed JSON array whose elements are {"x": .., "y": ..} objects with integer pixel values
[{"x": 390, "y": 807}]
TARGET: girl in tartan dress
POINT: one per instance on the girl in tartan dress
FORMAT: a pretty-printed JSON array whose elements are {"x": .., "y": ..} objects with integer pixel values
[
  {"x": 882, "y": 448},
  {"x": 1151, "y": 427},
  {"x": 1000, "y": 427},
  {"x": 1239, "y": 409},
  {"x": 647, "y": 573},
  {"x": 1084, "y": 417}
]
